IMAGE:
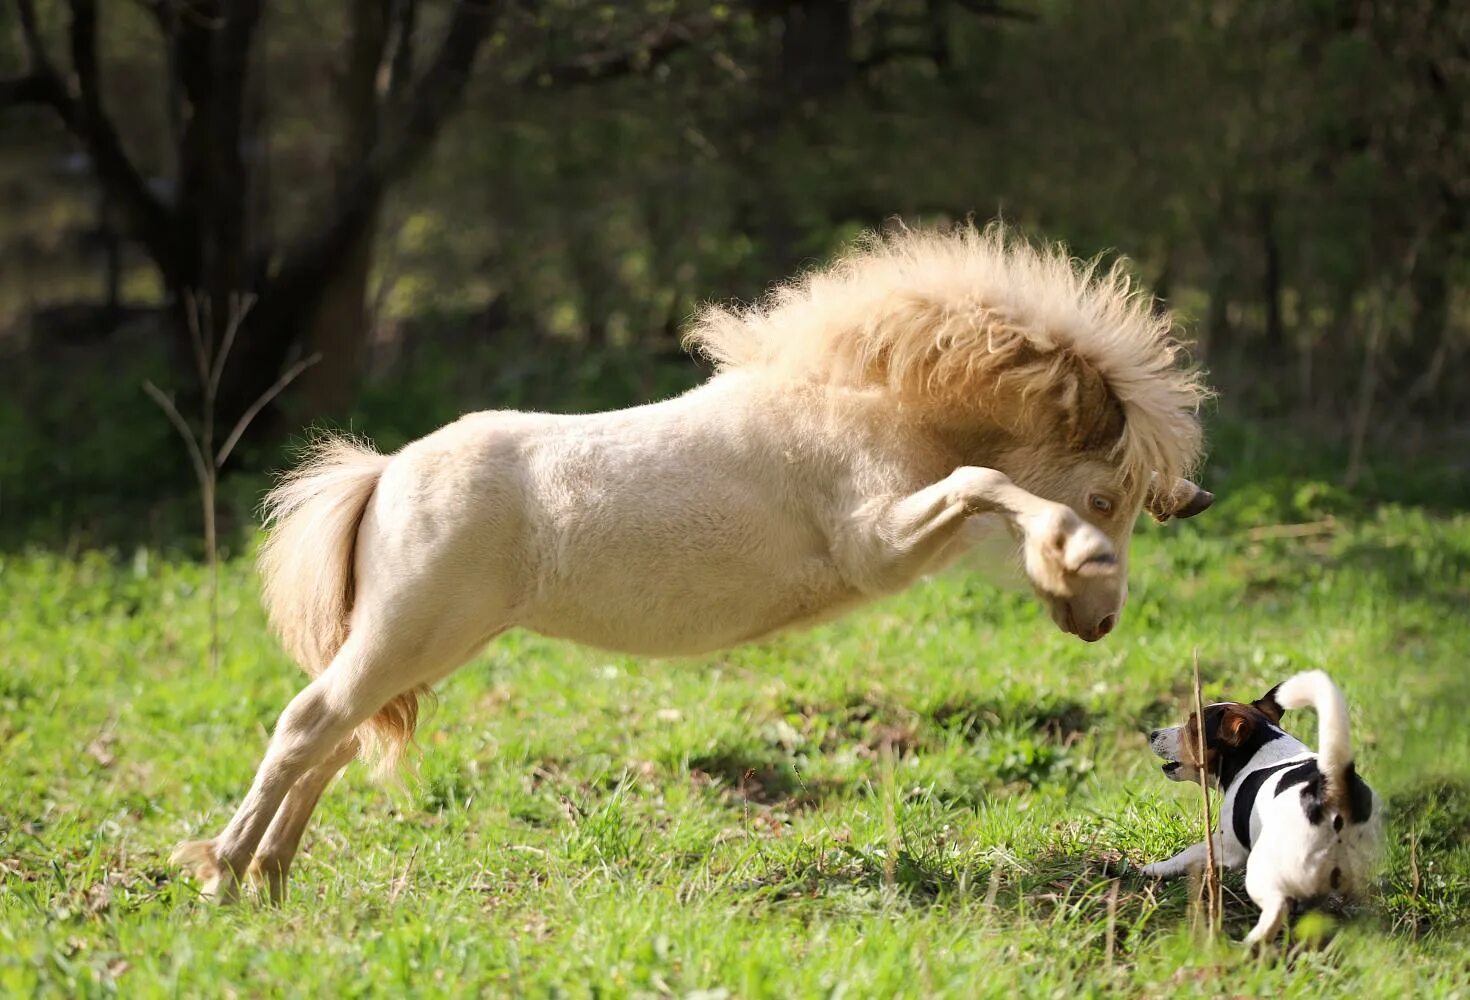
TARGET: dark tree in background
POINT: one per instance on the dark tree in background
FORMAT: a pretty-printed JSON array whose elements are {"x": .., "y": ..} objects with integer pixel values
[
  {"x": 463, "y": 203},
  {"x": 201, "y": 228}
]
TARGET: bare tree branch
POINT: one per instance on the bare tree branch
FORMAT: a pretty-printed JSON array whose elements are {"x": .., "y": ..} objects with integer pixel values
[
  {"x": 405, "y": 26},
  {"x": 79, "y": 106},
  {"x": 191, "y": 443},
  {"x": 401, "y": 145},
  {"x": 42, "y": 84},
  {"x": 30, "y": 31},
  {"x": 243, "y": 424},
  {"x": 240, "y": 306}
]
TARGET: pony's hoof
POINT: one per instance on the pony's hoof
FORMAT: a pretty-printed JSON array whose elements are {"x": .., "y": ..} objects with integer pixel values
[
  {"x": 218, "y": 883},
  {"x": 270, "y": 875}
]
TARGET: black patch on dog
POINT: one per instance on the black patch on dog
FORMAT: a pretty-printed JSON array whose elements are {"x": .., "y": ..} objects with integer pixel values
[
  {"x": 1336, "y": 877},
  {"x": 1269, "y": 706},
  {"x": 1233, "y": 760},
  {"x": 1314, "y": 799},
  {"x": 1245, "y": 800},
  {"x": 1314, "y": 805},
  {"x": 1305, "y": 772},
  {"x": 1360, "y": 796}
]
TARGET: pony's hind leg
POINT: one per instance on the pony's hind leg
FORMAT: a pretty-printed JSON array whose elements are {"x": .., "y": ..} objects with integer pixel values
[
  {"x": 361, "y": 679},
  {"x": 283, "y": 837}
]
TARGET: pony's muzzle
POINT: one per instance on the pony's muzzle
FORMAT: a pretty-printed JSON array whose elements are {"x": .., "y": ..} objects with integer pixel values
[{"x": 1102, "y": 628}]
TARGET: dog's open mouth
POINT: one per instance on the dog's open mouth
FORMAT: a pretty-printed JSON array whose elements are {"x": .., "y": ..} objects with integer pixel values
[{"x": 1171, "y": 767}]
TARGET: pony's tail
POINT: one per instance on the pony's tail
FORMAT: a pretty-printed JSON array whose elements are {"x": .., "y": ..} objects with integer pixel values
[
  {"x": 306, "y": 565},
  {"x": 1314, "y": 689}
]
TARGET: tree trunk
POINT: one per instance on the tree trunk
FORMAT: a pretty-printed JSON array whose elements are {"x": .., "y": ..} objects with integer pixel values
[
  {"x": 337, "y": 325},
  {"x": 1274, "y": 336},
  {"x": 337, "y": 328}
]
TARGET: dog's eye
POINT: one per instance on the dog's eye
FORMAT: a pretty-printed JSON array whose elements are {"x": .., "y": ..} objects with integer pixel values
[{"x": 1101, "y": 504}]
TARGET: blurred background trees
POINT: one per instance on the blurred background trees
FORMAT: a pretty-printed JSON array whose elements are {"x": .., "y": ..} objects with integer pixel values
[{"x": 479, "y": 203}]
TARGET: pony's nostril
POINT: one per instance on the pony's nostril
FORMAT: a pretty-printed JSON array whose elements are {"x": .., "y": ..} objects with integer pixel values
[{"x": 1106, "y": 625}]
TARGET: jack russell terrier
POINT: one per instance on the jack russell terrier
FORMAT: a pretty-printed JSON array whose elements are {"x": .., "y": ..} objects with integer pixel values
[{"x": 1303, "y": 824}]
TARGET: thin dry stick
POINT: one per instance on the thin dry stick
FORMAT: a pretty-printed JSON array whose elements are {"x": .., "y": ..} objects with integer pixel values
[
  {"x": 209, "y": 364},
  {"x": 1112, "y": 922},
  {"x": 890, "y": 822},
  {"x": 1211, "y": 877},
  {"x": 1261, "y": 533},
  {"x": 1414, "y": 880},
  {"x": 401, "y": 882},
  {"x": 993, "y": 889}
]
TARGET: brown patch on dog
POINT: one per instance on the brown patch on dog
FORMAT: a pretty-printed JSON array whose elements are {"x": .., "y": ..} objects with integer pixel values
[
  {"x": 1228, "y": 727},
  {"x": 1239, "y": 723}
]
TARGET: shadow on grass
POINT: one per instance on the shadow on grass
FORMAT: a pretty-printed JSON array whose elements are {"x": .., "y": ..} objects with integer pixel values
[
  {"x": 1098, "y": 892},
  {"x": 764, "y": 777},
  {"x": 871, "y": 721},
  {"x": 1009, "y": 746}
]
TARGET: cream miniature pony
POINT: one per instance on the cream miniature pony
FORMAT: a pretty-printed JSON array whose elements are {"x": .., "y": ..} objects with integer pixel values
[{"x": 856, "y": 422}]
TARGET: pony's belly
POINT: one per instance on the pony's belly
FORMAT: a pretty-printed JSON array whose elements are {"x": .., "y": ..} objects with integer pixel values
[{"x": 687, "y": 621}]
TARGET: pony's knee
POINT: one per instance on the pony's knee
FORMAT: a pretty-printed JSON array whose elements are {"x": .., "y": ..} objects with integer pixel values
[{"x": 313, "y": 724}]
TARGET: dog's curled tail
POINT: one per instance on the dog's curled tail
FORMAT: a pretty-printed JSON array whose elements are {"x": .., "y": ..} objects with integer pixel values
[
  {"x": 1314, "y": 689},
  {"x": 306, "y": 565}
]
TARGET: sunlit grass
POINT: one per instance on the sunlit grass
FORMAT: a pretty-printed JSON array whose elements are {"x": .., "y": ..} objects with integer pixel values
[{"x": 940, "y": 795}]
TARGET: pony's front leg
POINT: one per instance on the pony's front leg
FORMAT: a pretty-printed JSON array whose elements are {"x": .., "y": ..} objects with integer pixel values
[{"x": 898, "y": 540}]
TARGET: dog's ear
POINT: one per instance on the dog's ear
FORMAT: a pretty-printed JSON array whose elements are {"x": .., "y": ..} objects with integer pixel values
[
  {"x": 1269, "y": 706},
  {"x": 1236, "y": 726}
]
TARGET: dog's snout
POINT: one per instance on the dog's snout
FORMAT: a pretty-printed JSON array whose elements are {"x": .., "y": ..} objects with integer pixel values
[{"x": 1154, "y": 734}]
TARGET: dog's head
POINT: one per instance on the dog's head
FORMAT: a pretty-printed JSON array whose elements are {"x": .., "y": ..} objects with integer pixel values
[{"x": 1233, "y": 733}]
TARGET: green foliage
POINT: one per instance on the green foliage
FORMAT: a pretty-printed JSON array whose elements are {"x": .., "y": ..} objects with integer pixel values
[{"x": 939, "y": 796}]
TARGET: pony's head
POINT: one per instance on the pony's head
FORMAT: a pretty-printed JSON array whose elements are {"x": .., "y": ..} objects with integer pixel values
[
  {"x": 1052, "y": 370},
  {"x": 1089, "y": 604}
]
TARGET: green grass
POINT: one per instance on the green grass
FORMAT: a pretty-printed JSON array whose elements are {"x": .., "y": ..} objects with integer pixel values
[{"x": 941, "y": 795}]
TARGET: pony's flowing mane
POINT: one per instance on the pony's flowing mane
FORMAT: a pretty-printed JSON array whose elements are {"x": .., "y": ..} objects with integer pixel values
[{"x": 1025, "y": 337}]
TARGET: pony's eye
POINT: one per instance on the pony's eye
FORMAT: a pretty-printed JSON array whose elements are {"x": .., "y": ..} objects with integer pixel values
[{"x": 1100, "y": 504}]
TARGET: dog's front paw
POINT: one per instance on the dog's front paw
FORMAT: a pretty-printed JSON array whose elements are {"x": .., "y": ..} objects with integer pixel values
[{"x": 1157, "y": 870}]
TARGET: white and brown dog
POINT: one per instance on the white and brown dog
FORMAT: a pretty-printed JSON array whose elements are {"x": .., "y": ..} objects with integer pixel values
[{"x": 1303, "y": 824}]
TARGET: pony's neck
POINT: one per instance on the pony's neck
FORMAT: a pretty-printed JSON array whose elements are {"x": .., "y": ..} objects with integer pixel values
[{"x": 972, "y": 443}]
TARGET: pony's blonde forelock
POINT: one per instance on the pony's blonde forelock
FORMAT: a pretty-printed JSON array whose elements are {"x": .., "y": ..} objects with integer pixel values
[{"x": 982, "y": 319}]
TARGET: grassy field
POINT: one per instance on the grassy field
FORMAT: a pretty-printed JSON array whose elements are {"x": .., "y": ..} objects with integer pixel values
[{"x": 941, "y": 795}]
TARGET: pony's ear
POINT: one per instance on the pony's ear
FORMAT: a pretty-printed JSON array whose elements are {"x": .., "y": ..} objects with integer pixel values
[
  {"x": 1181, "y": 498},
  {"x": 1092, "y": 415}
]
